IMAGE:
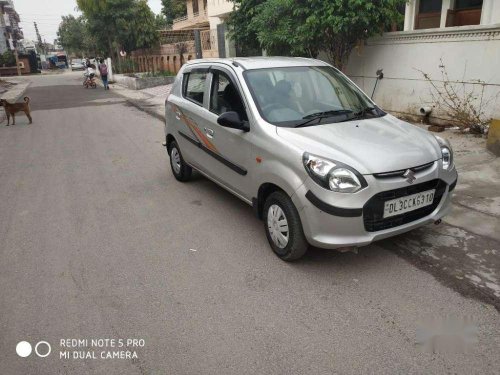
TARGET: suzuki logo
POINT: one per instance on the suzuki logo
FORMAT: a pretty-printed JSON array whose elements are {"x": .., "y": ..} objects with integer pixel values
[{"x": 410, "y": 176}]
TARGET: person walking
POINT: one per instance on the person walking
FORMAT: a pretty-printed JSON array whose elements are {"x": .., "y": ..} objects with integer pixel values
[{"x": 103, "y": 70}]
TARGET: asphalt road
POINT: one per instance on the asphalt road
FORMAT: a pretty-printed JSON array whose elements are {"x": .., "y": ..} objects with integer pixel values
[{"x": 98, "y": 240}]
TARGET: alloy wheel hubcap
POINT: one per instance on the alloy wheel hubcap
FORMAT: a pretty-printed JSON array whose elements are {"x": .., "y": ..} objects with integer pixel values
[
  {"x": 278, "y": 226},
  {"x": 175, "y": 160}
]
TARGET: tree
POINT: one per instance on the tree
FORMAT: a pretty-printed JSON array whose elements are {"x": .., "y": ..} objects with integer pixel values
[
  {"x": 242, "y": 25},
  {"x": 277, "y": 27},
  {"x": 120, "y": 24},
  {"x": 7, "y": 59},
  {"x": 73, "y": 35},
  {"x": 305, "y": 27},
  {"x": 161, "y": 22},
  {"x": 173, "y": 9}
]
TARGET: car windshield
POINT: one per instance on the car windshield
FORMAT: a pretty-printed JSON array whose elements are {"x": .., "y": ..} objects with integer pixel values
[{"x": 307, "y": 96}]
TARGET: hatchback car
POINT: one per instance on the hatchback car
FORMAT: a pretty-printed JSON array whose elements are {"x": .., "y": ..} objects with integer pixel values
[
  {"x": 318, "y": 160},
  {"x": 77, "y": 65}
]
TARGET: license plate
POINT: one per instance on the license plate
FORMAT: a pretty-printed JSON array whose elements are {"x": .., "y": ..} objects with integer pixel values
[{"x": 409, "y": 203}]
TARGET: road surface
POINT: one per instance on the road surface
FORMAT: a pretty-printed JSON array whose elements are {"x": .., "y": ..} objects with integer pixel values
[{"x": 99, "y": 241}]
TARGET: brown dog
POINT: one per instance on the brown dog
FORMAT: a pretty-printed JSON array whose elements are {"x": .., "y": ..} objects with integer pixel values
[{"x": 12, "y": 109}]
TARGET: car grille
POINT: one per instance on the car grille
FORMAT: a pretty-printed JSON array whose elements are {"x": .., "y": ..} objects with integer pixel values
[
  {"x": 401, "y": 172},
  {"x": 373, "y": 210}
]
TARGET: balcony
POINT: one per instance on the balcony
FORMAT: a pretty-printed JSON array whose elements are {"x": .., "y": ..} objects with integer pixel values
[{"x": 196, "y": 20}]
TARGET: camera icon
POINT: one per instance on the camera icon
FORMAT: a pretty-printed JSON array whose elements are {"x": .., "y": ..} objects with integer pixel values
[{"x": 24, "y": 349}]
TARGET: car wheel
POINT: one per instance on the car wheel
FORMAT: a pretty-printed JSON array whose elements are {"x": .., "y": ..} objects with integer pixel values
[
  {"x": 283, "y": 227},
  {"x": 182, "y": 171}
]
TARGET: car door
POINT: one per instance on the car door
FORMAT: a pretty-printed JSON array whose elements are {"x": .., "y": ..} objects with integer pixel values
[
  {"x": 189, "y": 112},
  {"x": 230, "y": 158}
]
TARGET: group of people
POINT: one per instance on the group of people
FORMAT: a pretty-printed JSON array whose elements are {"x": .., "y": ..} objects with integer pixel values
[{"x": 90, "y": 70}]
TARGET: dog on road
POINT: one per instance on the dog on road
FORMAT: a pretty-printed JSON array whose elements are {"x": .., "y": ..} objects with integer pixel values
[{"x": 12, "y": 109}]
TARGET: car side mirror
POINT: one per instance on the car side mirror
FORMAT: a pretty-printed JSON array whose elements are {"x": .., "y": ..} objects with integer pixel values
[{"x": 232, "y": 120}]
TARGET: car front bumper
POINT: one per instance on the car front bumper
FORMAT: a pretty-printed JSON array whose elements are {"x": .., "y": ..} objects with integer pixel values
[{"x": 335, "y": 220}]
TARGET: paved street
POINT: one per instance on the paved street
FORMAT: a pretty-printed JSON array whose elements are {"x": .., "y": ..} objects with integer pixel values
[{"x": 98, "y": 240}]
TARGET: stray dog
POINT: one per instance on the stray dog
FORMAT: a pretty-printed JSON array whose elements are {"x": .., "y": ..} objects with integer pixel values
[{"x": 12, "y": 109}]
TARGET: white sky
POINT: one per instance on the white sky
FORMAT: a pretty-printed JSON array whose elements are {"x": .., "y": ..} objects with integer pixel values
[{"x": 47, "y": 15}]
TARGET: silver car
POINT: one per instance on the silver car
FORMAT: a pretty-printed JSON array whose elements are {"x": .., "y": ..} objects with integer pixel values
[{"x": 319, "y": 161}]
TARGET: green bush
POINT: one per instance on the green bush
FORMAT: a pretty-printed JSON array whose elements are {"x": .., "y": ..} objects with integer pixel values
[{"x": 7, "y": 59}]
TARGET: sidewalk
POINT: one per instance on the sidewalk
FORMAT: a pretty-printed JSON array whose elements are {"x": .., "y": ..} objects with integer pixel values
[
  {"x": 151, "y": 100},
  {"x": 464, "y": 251}
]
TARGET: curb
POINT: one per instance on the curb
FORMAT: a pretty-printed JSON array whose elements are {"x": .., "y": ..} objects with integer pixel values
[
  {"x": 139, "y": 104},
  {"x": 21, "y": 87},
  {"x": 144, "y": 108}
]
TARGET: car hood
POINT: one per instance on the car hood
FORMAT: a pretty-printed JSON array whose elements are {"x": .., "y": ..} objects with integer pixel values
[{"x": 370, "y": 146}]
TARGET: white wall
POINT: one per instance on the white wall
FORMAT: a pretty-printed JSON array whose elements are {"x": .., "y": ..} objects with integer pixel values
[
  {"x": 217, "y": 11},
  {"x": 469, "y": 53}
]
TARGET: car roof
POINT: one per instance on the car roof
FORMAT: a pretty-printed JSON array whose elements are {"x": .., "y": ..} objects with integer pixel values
[{"x": 261, "y": 62}]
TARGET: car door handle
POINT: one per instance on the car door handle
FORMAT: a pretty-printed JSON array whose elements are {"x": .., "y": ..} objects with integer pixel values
[
  {"x": 209, "y": 132},
  {"x": 178, "y": 115}
]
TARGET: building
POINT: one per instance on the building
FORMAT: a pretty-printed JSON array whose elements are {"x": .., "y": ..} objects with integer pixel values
[
  {"x": 461, "y": 37},
  {"x": 28, "y": 45},
  {"x": 199, "y": 33},
  {"x": 196, "y": 17},
  {"x": 10, "y": 32}
]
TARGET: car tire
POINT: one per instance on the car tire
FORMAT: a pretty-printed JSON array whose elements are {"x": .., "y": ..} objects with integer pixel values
[
  {"x": 182, "y": 172},
  {"x": 281, "y": 216}
]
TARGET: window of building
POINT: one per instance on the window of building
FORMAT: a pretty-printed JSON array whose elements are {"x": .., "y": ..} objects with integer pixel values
[
  {"x": 466, "y": 12},
  {"x": 429, "y": 14},
  {"x": 195, "y": 6}
]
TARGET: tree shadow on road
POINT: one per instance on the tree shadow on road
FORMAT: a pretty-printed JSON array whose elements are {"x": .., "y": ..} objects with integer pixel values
[{"x": 70, "y": 96}]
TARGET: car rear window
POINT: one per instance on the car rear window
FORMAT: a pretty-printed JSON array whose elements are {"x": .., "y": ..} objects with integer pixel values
[{"x": 194, "y": 86}]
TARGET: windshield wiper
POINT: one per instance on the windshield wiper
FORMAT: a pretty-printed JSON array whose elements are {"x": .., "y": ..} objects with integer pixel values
[
  {"x": 361, "y": 114},
  {"x": 321, "y": 115}
]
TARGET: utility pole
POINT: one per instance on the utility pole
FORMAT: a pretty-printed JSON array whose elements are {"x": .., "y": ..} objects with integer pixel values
[
  {"x": 16, "y": 55},
  {"x": 39, "y": 38}
]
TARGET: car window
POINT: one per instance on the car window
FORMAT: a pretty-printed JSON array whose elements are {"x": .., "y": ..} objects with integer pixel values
[
  {"x": 195, "y": 86},
  {"x": 224, "y": 96},
  {"x": 286, "y": 96}
]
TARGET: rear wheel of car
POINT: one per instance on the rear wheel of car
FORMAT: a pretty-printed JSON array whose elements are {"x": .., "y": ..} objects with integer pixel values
[
  {"x": 283, "y": 227},
  {"x": 182, "y": 171}
]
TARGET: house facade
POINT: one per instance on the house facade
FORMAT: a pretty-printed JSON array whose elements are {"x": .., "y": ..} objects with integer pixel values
[
  {"x": 179, "y": 44},
  {"x": 10, "y": 32},
  {"x": 461, "y": 37}
]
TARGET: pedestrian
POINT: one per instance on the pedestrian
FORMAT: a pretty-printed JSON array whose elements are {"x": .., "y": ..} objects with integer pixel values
[{"x": 103, "y": 70}]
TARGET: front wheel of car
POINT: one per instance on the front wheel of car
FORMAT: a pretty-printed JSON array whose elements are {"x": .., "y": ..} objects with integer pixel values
[
  {"x": 182, "y": 171},
  {"x": 283, "y": 227}
]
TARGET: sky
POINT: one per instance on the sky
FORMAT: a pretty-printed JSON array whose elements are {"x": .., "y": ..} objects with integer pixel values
[{"x": 47, "y": 15}]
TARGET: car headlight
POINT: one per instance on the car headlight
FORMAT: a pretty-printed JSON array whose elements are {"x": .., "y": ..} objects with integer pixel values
[
  {"x": 446, "y": 153},
  {"x": 333, "y": 175}
]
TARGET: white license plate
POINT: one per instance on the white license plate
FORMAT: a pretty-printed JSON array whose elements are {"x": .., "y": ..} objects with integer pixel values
[{"x": 409, "y": 203}]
